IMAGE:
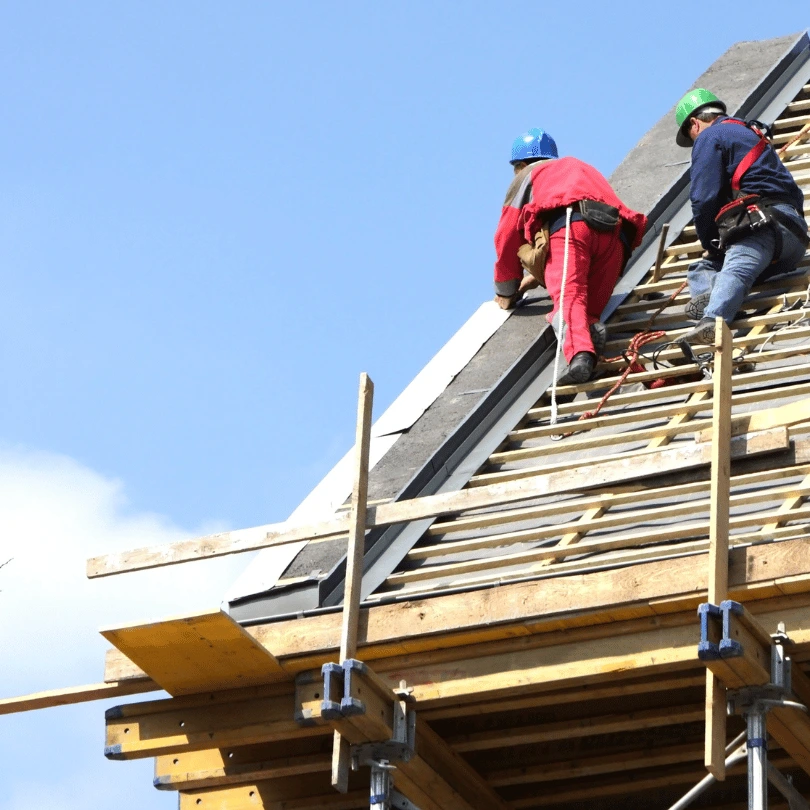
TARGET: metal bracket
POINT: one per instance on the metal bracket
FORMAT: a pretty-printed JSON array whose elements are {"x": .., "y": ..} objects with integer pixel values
[
  {"x": 707, "y": 650},
  {"x": 729, "y": 648},
  {"x": 380, "y": 755},
  {"x": 332, "y": 691}
]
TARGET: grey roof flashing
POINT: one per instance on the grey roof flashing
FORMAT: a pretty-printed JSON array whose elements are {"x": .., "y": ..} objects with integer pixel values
[{"x": 441, "y": 447}]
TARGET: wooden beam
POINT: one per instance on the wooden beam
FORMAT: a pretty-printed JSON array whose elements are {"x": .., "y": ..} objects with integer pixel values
[
  {"x": 76, "y": 694},
  {"x": 596, "y": 475},
  {"x": 197, "y": 653},
  {"x": 215, "y": 719},
  {"x": 789, "y": 727},
  {"x": 661, "y": 644},
  {"x": 575, "y": 728},
  {"x": 354, "y": 564},
  {"x": 219, "y": 767},
  {"x": 292, "y": 793},
  {"x": 523, "y": 609},
  {"x": 715, "y": 739},
  {"x": 658, "y": 647},
  {"x": 581, "y": 766},
  {"x": 435, "y": 777}
]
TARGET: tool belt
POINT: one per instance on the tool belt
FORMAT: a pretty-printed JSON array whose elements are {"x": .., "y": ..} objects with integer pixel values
[
  {"x": 740, "y": 218},
  {"x": 599, "y": 216},
  {"x": 749, "y": 213}
]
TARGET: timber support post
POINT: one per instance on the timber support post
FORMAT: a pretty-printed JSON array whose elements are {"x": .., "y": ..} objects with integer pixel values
[
  {"x": 354, "y": 562},
  {"x": 715, "y": 739},
  {"x": 757, "y": 671}
]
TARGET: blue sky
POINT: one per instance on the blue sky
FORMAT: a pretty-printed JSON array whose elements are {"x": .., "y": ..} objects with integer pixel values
[{"x": 213, "y": 216}]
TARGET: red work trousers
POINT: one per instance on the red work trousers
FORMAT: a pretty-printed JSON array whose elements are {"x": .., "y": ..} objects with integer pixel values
[{"x": 595, "y": 261}]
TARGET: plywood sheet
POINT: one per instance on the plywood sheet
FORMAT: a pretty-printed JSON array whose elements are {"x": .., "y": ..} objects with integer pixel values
[{"x": 197, "y": 653}]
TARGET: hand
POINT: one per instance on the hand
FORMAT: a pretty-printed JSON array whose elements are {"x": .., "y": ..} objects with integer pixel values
[
  {"x": 506, "y": 301},
  {"x": 529, "y": 282}
]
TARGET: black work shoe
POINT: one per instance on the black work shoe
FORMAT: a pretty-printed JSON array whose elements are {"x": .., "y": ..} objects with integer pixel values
[
  {"x": 580, "y": 369},
  {"x": 695, "y": 308},
  {"x": 598, "y": 337},
  {"x": 701, "y": 333}
]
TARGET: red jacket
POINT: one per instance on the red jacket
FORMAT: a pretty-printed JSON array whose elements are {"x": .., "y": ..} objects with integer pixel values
[{"x": 543, "y": 186}]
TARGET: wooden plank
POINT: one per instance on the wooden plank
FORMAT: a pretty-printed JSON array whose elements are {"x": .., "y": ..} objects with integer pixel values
[
  {"x": 789, "y": 414},
  {"x": 76, "y": 694},
  {"x": 510, "y": 668},
  {"x": 754, "y": 443},
  {"x": 792, "y": 413},
  {"x": 632, "y": 495},
  {"x": 656, "y": 271},
  {"x": 197, "y": 653},
  {"x": 657, "y": 535},
  {"x": 593, "y": 520},
  {"x": 698, "y": 402},
  {"x": 721, "y": 466},
  {"x": 649, "y": 648},
  {"x": 596, "y": 475},
  {"x": 715, "y": 738},
  {"x": 524, "y": 608},
  {"x": 354, "y": 563}
]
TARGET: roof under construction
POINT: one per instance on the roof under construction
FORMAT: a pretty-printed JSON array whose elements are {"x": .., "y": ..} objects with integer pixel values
[{"x": 529, "y": 589}]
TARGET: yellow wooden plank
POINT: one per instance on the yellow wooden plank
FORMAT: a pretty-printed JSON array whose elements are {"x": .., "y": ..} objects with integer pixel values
[
  {"x": 197, "y": 653},
  {"x": 75, "y": 694}
]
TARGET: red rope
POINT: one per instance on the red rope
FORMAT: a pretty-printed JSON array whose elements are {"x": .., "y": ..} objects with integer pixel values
[{"x": 637, "y": 343}]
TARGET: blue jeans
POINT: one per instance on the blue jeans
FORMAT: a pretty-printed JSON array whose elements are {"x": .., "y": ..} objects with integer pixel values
[{"x": 730, "y": 278}]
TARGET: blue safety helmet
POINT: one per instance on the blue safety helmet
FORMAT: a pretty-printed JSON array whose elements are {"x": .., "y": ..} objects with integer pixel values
[{"x": 536, "y": 143}]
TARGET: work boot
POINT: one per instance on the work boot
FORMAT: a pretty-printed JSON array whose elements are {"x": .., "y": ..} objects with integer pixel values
[
  {"x": 580, "y": 369},
  {"x": 599, "y": 338},
  {"x": 695, "y": 308},
  {"x": 701, "y": 333}
]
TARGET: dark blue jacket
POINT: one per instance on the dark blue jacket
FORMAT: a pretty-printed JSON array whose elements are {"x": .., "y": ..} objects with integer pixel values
[{"x": 717, "y": 152}]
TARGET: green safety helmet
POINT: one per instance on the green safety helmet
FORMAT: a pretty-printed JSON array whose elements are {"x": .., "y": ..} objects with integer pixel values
[{"x": 690, "y": 104}]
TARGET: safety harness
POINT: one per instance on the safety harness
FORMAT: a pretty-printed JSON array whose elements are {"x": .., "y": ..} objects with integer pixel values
[
  {"x": 746, "y": 212},
  {"x": 749, "y": 212}
]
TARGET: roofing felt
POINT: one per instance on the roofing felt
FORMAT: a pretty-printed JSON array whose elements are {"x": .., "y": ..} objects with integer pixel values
[{"x": 652, "y": 178}]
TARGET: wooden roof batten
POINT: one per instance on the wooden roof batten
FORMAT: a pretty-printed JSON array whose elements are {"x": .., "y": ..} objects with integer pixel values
[{"x": 541, "y": 607}]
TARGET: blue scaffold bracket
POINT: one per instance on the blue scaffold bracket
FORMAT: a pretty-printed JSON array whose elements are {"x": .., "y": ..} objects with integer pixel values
[
  {"x": 729, "y": 648},
  {"x": 349, "y": 705},
  {"x": 332, "y": 691},
  {"x": 707, "y": 650}
]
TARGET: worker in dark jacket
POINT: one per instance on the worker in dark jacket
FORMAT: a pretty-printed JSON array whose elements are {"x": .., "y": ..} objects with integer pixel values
[
  {"x": 531, "y": 237},
  {"x": 747, "y": 210}
]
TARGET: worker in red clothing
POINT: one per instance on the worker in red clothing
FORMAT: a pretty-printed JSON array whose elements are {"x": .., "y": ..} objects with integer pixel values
[{"x": 531, "y": 237}]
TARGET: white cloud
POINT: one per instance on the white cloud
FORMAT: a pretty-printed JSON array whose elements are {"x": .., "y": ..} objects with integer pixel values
[{"x": 54, "y": 513}]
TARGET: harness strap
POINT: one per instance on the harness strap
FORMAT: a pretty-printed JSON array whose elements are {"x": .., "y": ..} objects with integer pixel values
[{"x": 753, "y": 155}]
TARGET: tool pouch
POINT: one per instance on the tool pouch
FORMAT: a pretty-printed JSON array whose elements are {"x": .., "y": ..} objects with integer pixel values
[
  {"x": 740, "y": 217},
  {"x": 599, "y": 216},
  {"x": 533, "y": 256}
]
